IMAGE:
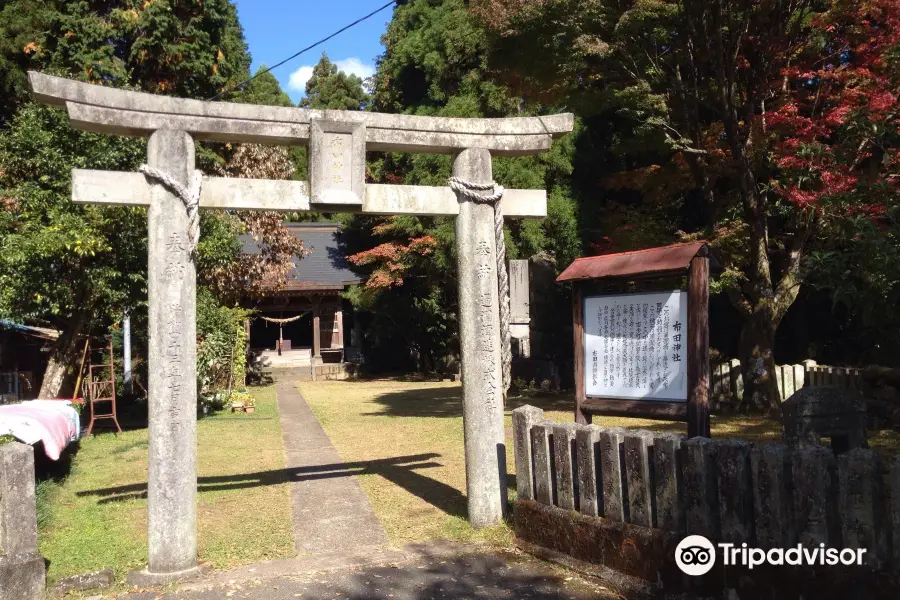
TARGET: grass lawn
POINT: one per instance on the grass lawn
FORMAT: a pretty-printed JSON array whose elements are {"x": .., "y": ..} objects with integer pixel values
[
  {"x": 97, "y": 516},
  {"x": 419, "y": 494}
]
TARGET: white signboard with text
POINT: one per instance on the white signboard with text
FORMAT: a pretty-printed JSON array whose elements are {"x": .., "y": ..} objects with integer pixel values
[{"x": 635, "y": 346}]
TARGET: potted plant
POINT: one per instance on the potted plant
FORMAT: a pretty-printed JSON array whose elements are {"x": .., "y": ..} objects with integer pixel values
[{"x": 242, "y": 400}]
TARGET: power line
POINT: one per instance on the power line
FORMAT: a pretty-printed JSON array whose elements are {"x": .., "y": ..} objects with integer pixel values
[{"x": 310, "y": 47}]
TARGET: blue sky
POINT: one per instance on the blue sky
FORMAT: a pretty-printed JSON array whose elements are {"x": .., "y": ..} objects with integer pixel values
[{"x": 275, "y": 29}]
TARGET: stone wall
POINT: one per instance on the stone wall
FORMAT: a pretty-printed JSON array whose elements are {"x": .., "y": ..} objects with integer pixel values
[{"x": 622, "y": 499}]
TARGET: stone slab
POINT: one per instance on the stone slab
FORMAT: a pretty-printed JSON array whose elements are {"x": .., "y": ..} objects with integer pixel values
[
  {"x": 22, "y": 570},
  {"x": 638, "y": 446},
  {"x": 700, "y": 494},
  {"x": 667, "y": 482},
  {"x": 861, "y": 505},
  {"x": 22, "y": 576},
  {"x": 814, "y": 477},
  {"x": 85, "y": 581},
  {"x": 565, "y": 456},
  {"x": 590, "y": 495},
  {"x": 735, "y": 490},
  {"x": 772, "y": 500},
  {"x": 331, "y": 513},
  {"x": 611, "y": 475},
  {"x": 524, "y": 418},
  {"x": 542, "y": 451}
]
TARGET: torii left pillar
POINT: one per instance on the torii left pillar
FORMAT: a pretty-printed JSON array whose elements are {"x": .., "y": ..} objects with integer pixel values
[{"x": 172, "y": 287}]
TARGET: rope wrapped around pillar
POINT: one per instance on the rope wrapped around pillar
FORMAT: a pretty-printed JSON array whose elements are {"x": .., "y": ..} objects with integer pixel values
[
  {"x": 473, "y": 191},
  {"x": 190, "y": 197}
]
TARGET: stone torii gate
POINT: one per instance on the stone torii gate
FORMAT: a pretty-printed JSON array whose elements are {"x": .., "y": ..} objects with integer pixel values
[{"x": 338, "y": 141}]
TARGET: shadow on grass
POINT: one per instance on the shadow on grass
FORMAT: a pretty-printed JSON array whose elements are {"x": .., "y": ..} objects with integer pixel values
[
  {"x": 401, "y": 471},
  {"x": 447, "y": 402}
]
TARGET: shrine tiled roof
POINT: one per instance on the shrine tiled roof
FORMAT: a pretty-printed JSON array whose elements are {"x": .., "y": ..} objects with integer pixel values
[{"x": 324, "y": 268}]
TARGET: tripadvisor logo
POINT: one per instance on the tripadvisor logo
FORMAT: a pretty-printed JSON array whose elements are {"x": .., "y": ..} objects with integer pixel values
[{"x": 696, "y": 555}]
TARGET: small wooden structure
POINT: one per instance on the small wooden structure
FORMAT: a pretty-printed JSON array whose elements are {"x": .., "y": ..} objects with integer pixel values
[
  {"x": 100, "y": 387},
  {"x": 593, "y": 276}
]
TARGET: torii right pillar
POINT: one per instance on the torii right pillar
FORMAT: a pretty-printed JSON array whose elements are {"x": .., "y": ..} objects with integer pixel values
[{"x": 479, "y": 334}]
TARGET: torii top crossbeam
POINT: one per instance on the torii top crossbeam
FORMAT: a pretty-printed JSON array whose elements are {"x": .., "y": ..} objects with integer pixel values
[{"x": 114, "y": 111}]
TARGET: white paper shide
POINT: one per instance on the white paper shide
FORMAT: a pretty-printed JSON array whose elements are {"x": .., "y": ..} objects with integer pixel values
[{"x": 635, "y": 346}]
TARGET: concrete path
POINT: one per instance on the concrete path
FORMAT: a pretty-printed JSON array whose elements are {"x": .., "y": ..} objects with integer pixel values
[
  {"x": 417, "y": 572},
  {"x": 330, "y": 511}
]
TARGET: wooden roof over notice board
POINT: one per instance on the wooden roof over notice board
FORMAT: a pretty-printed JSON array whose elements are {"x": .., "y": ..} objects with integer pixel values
[{"x": 665, "y": 260}]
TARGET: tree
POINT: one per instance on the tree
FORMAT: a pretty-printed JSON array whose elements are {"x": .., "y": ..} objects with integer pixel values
[
  {"x": 705, "y": 86},
  {"x": 329, "y": 88},
  {"x": 434, "y": 64},
  {"x": 71, "y": 266},
  {"x": 176, "y": 47}
]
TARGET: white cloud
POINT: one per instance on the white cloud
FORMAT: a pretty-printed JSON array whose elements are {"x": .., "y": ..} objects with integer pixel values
[
  {"x": 300, "y": 77},
  {"x": 354, "y": 66},
  {"x": 350, "y": 66}
]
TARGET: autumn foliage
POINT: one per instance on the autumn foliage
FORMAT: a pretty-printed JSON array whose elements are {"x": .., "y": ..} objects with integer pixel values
[
  {"x": 836, "y": 129},
  {"x": 392, "y": 261}
]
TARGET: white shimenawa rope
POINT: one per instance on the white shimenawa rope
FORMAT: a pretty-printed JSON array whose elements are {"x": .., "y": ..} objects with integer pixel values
[
  {"x": 190, "y": 196},
  {"x": 472, "y": 191},
  {"x": 283, "y": 321}
]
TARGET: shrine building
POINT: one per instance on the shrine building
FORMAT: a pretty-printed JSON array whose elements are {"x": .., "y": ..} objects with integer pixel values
[{"x": 308, "y": 315}]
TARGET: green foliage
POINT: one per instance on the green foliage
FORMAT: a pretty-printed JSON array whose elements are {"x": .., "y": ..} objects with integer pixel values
[
  {"x": 58, "y": 259},
  {"x": 221, "y": 345},
  {"x": 263, "y": 89},
  {"x": 860, "y": 269},
  {"x": 331, "y": 89},
  {"x": 179, "y": 47}
]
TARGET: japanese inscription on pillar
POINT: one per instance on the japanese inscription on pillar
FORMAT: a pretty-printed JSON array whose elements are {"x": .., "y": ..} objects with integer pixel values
[
  {"x": 337, "y": 159},
  {"x": 487, "y": 289},
  {"x": 177, "y": 262},
  {"x": 636, "y": 346}
]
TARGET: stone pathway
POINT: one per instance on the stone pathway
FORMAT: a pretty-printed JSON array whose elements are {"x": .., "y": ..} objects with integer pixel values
[
  {"x": 417, "y": 572},
  {"x": 330, "y": 511}
]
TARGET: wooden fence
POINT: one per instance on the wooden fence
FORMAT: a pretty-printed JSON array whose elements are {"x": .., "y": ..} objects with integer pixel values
[{"x": 727, "y": 386}]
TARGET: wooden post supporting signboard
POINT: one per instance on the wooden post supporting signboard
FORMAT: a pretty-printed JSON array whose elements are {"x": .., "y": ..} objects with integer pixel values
[
  {"x": 698, "y": 340},
  {"x": 578, "y": 321}
]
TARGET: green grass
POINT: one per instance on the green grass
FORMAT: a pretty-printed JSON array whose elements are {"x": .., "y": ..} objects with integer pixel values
[
  {"x": 419, "y": 425},
  {"x": 97, "y": 516}
]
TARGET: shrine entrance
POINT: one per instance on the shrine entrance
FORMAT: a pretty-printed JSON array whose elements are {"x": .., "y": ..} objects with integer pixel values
[{"x": 338, "y": 141}]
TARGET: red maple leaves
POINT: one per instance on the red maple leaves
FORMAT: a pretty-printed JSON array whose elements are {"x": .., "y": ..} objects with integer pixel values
[
  {"x": 839, "y": 120},
  {"x": 392, "y": 260}
]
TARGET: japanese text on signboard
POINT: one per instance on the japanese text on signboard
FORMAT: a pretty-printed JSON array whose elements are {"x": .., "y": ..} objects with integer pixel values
[{"x": 636, "y": 346}]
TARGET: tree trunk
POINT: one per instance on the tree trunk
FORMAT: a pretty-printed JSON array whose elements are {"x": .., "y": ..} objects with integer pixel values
[
  {"x": 64, "y": 358},
  {"x": 756, "y": 350}
]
